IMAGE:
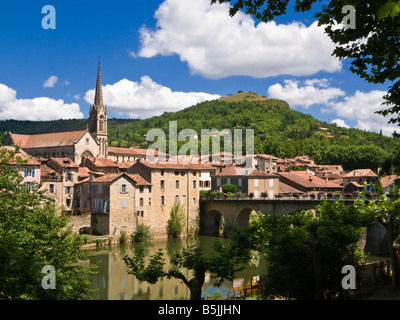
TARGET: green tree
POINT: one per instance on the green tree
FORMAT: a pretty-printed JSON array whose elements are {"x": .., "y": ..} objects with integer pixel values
[
  {"x": 176, "y": 222},
  {"x": 372, "y": 46},
  {"x": 229, "y": 188},
  {"x": 306, "y": 251},
  {"x": 222, "y": 264},
  {"x": 33, "y": 236},
  {"x": 387, "y": 213}
]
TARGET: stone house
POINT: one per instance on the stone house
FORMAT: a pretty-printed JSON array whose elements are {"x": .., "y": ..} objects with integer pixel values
[
  {"x": 52, "y": 184},
  {"x": 69, "y": 172},
  {"x": 359, "y": 180},
  {"x": 309, "y": 183},
  {"x": 389, "y": 182},
  {"x": 248, "y": 181},
  {"x": 117, "y": 202},
  {"x": 171, "y": 184},
  {"x": 100, "y": 165}
]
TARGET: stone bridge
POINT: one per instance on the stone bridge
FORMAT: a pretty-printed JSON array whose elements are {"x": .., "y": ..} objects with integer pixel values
[
  {"x": 79, "y": 222},
  {"x": 236, "y": 212}
]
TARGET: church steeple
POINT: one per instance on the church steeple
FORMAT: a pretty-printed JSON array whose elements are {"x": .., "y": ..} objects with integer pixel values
[
  {"x": 98, "y": 98},
  {"x": 98, "y": 118}
]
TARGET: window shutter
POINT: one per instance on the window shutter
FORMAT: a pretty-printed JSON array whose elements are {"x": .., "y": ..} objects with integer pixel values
[
  {"x": 26, "y": 172},
  {"x": 127, "y": 188},
  {"x": 33, "y": 172},
  {"x": 120, "y": 188}
]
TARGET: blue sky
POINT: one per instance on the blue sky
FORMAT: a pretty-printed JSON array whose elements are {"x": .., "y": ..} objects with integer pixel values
[{"x": 164, "y": 55}]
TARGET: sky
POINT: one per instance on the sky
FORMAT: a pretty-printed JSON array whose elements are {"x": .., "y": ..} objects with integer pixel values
[{"x": 165, "y": 55}]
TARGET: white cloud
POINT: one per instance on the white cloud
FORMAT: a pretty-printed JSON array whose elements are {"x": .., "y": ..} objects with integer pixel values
[
  {"x": 361, "y": 107},
  {"x": 306, "y": 95},
  {"x": 340, "y": 123},
  {"x": 50, "y": 82},
  {"x": 146, "y": 98},
  {"x": 216, "y": 45},
  {"x": 41, "y": 108}
]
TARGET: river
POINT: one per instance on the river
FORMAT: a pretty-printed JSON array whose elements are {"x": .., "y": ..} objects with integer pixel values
[{"x": 114, "y": 283}]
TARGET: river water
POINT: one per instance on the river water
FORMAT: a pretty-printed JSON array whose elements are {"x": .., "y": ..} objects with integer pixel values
[{"x": 114, "y": 283}]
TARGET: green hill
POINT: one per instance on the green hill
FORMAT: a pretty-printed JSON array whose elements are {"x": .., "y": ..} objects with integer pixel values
[{"x": 278, "y": 130}]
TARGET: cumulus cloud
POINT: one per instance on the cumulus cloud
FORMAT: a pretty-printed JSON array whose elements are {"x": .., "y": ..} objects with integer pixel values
[
  {"x": 305, "y": 94},
  {"x": 340, "y": 123},
  {"x": 36, "y": 109},
  {"x": 50, "y": 82},
  {"x": 361, "y": 107},
  {"x": 216, "y": 45},
  {"x": 146, "y": 98}
]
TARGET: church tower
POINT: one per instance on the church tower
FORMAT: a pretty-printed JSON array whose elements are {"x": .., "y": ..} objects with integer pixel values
[{"x": 98, "y": 118}]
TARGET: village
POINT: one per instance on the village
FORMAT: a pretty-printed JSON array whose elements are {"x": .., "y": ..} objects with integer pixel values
[{"x": 117, "y": 189}]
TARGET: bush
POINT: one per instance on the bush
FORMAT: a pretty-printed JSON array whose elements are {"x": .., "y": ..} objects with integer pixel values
[
  {"x": 176, "y": 223},
  {"x": 226, "y": 188},
  {"x": 142, "y": 233}
]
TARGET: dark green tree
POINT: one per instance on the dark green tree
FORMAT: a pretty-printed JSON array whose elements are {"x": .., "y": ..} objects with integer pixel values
[{"x": 32, "y": 236}]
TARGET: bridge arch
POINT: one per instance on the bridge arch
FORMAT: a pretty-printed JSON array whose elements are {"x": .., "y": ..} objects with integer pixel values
[
  {"x": 243, "y": 218},
  {"x": 211, "y": 223}
]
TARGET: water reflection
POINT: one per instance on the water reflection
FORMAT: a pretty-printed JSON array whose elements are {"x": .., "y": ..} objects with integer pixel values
[{"x": 114, "y": 283}]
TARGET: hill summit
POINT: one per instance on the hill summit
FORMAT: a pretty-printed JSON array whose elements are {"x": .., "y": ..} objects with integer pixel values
[{"x": 255, "y": 98}]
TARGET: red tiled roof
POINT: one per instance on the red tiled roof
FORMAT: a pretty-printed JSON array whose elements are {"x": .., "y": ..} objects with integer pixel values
[
  {"x": 285, "y": 188},
  {"x": 131, "y": 151},
  {"x": 308, "y": 180},
  {"x": 113, "y": 176},
  {"x": 388, "y": 180},
  {"x": 65, "y": 162},
  {"x": 360, "y": 173},
  {"x": 177, "y": 166},
  {"x": 46, "y": 140},
  {"x": 239, "y": 171},
  {"x": 28, "y": 160},
  {"x": 102, "y": 162}
]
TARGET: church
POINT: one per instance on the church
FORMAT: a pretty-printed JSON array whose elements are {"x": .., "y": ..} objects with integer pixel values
[{"x": 76, "y": 145}]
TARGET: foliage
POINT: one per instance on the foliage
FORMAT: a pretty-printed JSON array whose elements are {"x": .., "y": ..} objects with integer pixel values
[
  {"x": 176, "y": 223},
  {"x": 372, "y": 46},
  {"x": 229, "y": 188},
  {"x": 33, "y": 236},
  {"x": 222, "y": 264},
  {"x": 142, "y": 233},
  {"x": 305, "y": 252}
]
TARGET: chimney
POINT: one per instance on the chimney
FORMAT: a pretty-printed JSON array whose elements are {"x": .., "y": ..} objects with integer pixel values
[{"x": 355, "y": 173}]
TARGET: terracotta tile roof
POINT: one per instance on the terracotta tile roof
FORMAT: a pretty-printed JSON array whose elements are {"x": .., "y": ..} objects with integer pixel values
[
  {"x": 388, "y": 180},
  {"x": 308, "y": 180},
  {"x": 65, "y": 162},
  {"x": 131, "y": 151},
  {"x": 239, "y": 171},
  {"x": 177, "y": 166},
  {"x": 102, "y": 162},
  {"x": 126, "y": 165},
  {"x": 285, "y": 188},
  {"x": 47, "y": 171},
  {"x": 360, "y": 173},
  {"x": 46, "y": 140},
  {"x": 110, "y": 177},
  {"x": 22, "y": 155}
]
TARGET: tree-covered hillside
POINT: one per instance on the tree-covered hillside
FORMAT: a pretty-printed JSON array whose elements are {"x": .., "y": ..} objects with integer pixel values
[{"x": 278, "y": 131}]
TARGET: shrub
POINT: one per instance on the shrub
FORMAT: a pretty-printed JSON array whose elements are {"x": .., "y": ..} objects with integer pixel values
[
  {"x": 142, "y": 233},
  {"x": 176, "y": 223},
  {"x": 226, "y": 188}
]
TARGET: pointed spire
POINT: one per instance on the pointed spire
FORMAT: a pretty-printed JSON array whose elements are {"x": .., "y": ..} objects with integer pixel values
[{"x": 98, "y": 98}]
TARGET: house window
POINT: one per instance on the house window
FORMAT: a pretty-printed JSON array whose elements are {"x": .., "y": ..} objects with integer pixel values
[
  {"x": 68, "y": 203},
  {"x": 100, "y": 188},
  {"x": 70, "y": 176},
  {"x": 52, "y": 189},
  {"x": 87, "y": 140},
  {"x": 271, "y": 183},
  {"x": 141, "y": 202},
  {"x": 123, "y": 203},
  {"x": 162, "y": 184},
  {"x": 162, "y": 172},
  {"x": 162, "y": 200},
  {"x": 194, "y": 184},
  {"x": 256, "y": 182},
  {"x": 239, "y": 182},
  {"x": 176, "y": 199},
  {"x": 123, "y": 188},
  {"x": 141, "y": 189},
  {"x": 228, "y": 180},
  {"x": 218, "y": 182},
  {"x": 177, "y": 173},
  {"x": 194, "y": 200},
  {"x": 176, "y": 184},
  {"x": 68, "y": 189},
  {"x": 183, "y": 199}
]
